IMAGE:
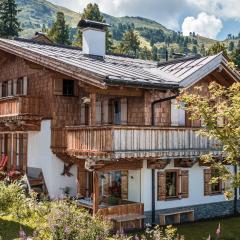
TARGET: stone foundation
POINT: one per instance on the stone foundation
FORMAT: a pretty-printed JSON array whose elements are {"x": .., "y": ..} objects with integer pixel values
[{"x": 202, "y": 211}]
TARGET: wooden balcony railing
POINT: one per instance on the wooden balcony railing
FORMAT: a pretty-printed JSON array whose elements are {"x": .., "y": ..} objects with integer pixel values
[
  {"x": 19, "y": 105},
  {"x": 143, "y": 142}
]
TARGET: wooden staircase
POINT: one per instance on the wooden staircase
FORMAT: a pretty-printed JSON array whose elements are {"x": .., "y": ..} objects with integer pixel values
[{"x": 36, "y": 182}]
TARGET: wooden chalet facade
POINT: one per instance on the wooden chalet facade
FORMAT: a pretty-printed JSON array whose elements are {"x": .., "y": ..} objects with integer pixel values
[{"x": 107, "y": 128}]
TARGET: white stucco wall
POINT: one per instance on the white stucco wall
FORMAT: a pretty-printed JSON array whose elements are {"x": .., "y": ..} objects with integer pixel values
[
  {"x": 41, "y": 156},
  {"x": 196, "y": 190}
]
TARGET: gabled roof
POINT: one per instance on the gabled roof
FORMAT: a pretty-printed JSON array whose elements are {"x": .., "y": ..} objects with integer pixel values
[
  {"x": 71, "y": 61},
  {"x": 189, "y": 71},
  {"x": 114, "y": 70}
]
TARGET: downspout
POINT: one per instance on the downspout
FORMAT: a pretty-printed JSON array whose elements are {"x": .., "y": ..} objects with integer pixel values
[
  {"x": 153, "y": 198},
  {"x": 235, "y": 211},
  {"x": 153, "y": 170}
]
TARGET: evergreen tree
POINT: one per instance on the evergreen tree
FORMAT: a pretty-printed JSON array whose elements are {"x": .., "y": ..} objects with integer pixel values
[
  {"x": 202, "y": 50},
  {"x": 92, "y": 12},
  {"x": 217, "y": 48},
  {"x": 154, "y": 53},
  {"x": 231, "y": 46},
  {"x": 236, "y": 56},
  {"x": 59, "y": 32},
  {"x": 194, "y": 50},
  {"x": 131, "y": 43},
  {"x": 9, "y": 25}
]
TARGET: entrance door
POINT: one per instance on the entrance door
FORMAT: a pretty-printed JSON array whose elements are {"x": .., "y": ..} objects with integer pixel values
[{"x": 117, "y": 112}]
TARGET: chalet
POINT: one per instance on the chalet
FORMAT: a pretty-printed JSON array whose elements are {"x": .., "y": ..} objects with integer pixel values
[{"x": 107, "y": 129}]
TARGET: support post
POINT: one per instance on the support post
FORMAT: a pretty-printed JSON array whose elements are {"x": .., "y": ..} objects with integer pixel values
[
  {"x": 153, "y": 198},
  {"x": 95, "y": 192}
]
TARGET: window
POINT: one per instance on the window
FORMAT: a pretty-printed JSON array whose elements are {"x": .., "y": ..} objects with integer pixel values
[
  {"x": 216, "y": 187},
  {"x": 117, "y": 112},
  {"x": 68, "y": 87},
  {"x": 5, "y": 89},
  {"x": 171, "y": 184},
  {"x": 20, "y": 86},
  {"x": 113, "y": 187}
]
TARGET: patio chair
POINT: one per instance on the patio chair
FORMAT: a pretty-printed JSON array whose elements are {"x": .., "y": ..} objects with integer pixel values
[{"x": 4, "y": 164}]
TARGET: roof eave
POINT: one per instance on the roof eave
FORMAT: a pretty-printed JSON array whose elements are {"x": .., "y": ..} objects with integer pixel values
[{"x": 55, "y": 65}]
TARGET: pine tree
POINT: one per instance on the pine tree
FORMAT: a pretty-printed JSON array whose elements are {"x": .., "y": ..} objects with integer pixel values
[
  {"x": 131, "y": 43},
  {"x": 202, "y": 50},
  {"x": 59, "y": 32},
  {"x": 9, "y": 25},
  {"x": 92, "y": 12},
  {"x": 236, "y": 55},
  {"x": 217, "y": 48},
  {"x": 194, "y": 50},
  {"x": 231, "y": 46}
]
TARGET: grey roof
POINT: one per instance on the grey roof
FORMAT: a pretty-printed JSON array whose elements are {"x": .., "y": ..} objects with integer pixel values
[
  {"x": 113, "y": 69},
  {"x": 110, "y": 69}
]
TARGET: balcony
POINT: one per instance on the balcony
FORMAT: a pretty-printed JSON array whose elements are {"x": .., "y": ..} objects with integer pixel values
[
  {"x": 19, "y": 106},
  {"x": 119, "y": 142}
]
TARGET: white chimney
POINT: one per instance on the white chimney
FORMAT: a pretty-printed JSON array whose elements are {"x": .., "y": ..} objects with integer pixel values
[{"x": 93, "y": 37}]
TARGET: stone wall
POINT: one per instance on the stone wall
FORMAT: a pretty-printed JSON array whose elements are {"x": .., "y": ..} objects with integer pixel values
[{"x": 202, "y": 211}]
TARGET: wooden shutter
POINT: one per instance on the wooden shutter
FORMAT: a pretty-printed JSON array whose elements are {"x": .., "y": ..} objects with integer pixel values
[
  {"x": 15, "y": 87},
  {"x": 82, "y": 182},
  {"x": 161, "y": 186},
  {"x": 98, "y": 112},
  {"x": 207, "y": 184},
  {"x": 82, "y": 116},
  {"x": 124, "y": 185},
  {"x": 25, "y": 149},
  {"x": 1, "y": 89},
  {"x": 9, "y": 91},
  {"x": 58, "y": 86},
  {"x": 184, "y": 183},
  {"x": 105, "y": 111},
  {"x": 25, "y": 85},
  {"x": 124, "y": 111}
]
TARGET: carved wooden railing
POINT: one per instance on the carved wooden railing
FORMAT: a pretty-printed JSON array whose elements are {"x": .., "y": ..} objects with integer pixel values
[
  {"x": 128, "y": 142},
  {"x": 20, "y": 105}
]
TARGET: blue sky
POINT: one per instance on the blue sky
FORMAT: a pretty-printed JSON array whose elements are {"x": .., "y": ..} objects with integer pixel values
[{"x": 210, "y": 18}]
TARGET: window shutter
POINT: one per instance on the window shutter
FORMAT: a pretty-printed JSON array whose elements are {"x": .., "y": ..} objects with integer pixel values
[
  {"x": 15, "y": 87},
  {"x": 184, "y": 183},
  {"x": 1, "y": 89},
  {"x": 124, "y": 111},
  {"x": 98, "y": 112},
  {"x": 82, "y": 116},
  {"x": 207, "y": 184},
  {"x": 124, "y": 185},
  {"x": 105, "y": 111},
  {"x": 227, "y": 185},
  {"x": 161, "y": 186},
  {"x": 178, "y": 117},
  {"x": 82, "y": 182},
  {"x": 25, "y": 85},
  {"x": 9, "y": 91},
  {"x": 58, "y": 86}
]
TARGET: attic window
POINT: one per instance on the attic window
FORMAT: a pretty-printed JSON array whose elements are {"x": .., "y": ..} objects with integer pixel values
[{"x": 68, "y": 87}]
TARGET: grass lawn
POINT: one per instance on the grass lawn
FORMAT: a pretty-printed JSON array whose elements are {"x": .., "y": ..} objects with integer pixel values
[
  {"x": 230, "y": 229},
  {"x": 9, "y": 229}
]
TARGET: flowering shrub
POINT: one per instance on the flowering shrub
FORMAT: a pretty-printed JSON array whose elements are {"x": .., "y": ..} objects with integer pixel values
[
  {"x": 66, "y": 221},
  {"x": 157, "y": 233}
]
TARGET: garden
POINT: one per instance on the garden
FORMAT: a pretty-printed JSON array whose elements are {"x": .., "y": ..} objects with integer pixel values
[{"x": 24, "y": 217}]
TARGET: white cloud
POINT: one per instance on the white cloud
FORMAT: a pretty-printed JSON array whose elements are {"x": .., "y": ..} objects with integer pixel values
[
  {"x": 204, "y": 24},
  {"x": 228, "y": 9}
]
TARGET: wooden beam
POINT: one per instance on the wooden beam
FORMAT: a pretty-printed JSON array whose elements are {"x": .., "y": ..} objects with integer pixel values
[
  {"x": 158, "y": 163},
  {"x": 95, "y": 192},
  {"x": 114, "y": 91}
]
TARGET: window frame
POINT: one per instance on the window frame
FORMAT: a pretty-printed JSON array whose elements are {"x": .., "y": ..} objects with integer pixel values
[{"x": 176, "y": 171}]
